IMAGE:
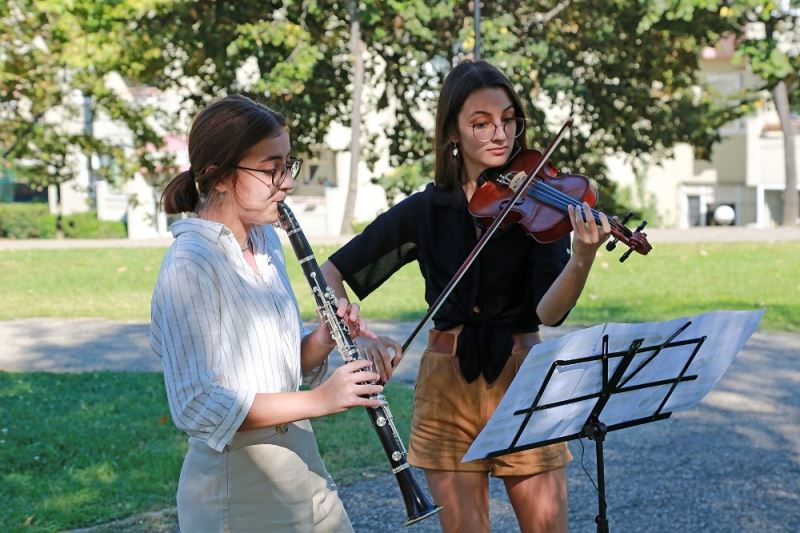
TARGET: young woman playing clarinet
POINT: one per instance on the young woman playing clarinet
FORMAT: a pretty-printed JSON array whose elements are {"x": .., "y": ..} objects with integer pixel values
[{"x": 226, "y": 325}]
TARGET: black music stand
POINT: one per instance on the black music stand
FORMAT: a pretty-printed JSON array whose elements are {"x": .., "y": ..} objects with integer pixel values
[
  {"x": 616, "y": 383},
  {"x": 611, "y": 390}
]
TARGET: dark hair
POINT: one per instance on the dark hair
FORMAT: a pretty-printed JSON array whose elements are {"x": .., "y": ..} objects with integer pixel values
[
  {"x": 462, "y": 81},
  {"x": 220, "y": 136}
]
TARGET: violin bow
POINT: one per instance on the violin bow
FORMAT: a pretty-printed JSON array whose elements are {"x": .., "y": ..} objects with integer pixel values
[{"x": 488, "y": 234}]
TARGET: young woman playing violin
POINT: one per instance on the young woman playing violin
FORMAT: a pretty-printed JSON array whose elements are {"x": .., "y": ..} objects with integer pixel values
[{"x": 489, "y": 322}]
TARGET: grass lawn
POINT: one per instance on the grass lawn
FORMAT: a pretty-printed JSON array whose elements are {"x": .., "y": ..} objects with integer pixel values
[
  {"x": 674, "y": 280},
  {"x": 84, "y": 449}
]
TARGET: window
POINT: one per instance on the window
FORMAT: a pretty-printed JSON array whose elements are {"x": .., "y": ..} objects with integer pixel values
[{"x": 318, "y": 172}]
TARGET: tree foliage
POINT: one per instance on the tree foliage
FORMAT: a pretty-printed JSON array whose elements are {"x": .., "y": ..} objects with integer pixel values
[
  {"x": 625, "y": 70},
  {"x": 632, "y": 91},
  {"x": 289, "y": 55},
  {"x": 54, "y": 61}
]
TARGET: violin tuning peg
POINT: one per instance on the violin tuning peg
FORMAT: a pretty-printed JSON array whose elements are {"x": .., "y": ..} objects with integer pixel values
[
  {"x": 610, "y": 245},
  {"x": 627, "y": 217},
  {"x": 624, "y": 256},
  {"x": 641, "y": 226}
]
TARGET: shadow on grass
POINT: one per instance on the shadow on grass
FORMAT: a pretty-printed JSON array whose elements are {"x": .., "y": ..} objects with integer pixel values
[{"x": 84, "y": 448}]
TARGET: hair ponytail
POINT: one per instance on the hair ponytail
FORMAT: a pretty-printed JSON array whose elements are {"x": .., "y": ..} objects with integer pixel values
[{"x": 180, "y": 195}]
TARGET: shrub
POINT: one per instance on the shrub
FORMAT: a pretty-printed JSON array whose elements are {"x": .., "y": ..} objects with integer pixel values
[
  {"x": 87, "y": 226},
  {"x": 358, "y": 227},
  {"x": 26, "y": 221}
]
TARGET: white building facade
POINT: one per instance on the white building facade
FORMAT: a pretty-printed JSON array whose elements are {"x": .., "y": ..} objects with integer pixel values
[{"x": 746, "y": 171}]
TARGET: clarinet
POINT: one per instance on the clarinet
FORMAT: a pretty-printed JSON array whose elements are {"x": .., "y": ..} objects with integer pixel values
[{"x": 418, "y": 505}]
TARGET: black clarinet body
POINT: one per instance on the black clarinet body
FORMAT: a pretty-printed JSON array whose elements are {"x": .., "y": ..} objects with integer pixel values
[{"x": 418, "y": 505}]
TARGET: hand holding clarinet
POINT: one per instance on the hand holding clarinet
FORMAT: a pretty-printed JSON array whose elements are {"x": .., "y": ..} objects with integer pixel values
[
  {"x": 355, "y": 383},
  {"x": 338, "y": 320}
]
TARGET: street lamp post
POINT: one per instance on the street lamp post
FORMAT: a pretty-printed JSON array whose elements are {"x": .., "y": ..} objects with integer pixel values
[{"x": 476, "y": 15}]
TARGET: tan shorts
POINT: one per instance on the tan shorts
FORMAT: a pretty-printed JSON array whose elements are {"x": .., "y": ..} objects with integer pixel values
[
  {"x": 449, "y": 413},
  {"x": 265, "y": 480}
]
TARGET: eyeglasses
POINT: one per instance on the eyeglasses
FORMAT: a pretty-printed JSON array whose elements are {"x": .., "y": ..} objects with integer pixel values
[
  {"x": 278, "y": 173},
  {"x": 485, "y": 131}
]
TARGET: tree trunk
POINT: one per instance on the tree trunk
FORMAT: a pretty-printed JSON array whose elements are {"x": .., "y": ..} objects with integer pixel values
[
  {"x": 356, "y": 50},
  {"x": 59, "y": 213},
  {"x": 790, "y": 195}
]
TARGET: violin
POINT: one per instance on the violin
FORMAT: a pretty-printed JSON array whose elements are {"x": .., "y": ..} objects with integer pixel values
[{"x": 542, "y": 208}]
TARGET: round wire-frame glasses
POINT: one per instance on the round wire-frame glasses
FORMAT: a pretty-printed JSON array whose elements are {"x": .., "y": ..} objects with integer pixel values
[
  {"x": 278, "y": 173},
  {"x": 484, "y": 130}
]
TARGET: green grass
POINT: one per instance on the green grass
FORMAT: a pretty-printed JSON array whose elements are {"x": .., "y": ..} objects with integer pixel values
[
  {"x": 674, "y": 280},
  {"x": 84, "y": 449},
  {"x": 113, "y": 283},
  {"x": 80, "y": 448},
  {"x": 682, "y": 279}
]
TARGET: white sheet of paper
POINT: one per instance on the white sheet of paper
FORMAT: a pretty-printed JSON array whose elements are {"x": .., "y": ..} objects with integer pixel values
[{"x": 725, "y": 334}]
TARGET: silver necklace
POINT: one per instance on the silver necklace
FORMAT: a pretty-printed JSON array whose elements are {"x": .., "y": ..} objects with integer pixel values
[{"x": 246, "y": 244}]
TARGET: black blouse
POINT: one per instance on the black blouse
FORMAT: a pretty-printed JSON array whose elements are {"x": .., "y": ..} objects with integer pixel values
[{"x": 496, "y": 297}]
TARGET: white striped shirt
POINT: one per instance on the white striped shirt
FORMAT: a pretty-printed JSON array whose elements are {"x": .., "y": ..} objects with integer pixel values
[{"x": 223, "y": 332}]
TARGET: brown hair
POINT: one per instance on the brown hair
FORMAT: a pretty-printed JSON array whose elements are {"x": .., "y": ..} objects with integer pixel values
[
  {"x": 220, "y": 136},
  {"x": 465, "y": 78}
]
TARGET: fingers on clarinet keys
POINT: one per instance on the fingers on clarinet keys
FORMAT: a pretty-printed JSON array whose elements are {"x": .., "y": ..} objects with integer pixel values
[
  {"x": 370, "y": 392},
  {"x": 363, "y": 365}
]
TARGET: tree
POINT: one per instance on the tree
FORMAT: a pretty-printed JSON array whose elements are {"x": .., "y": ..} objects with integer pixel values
[
  {"x": 775, "y": 58},
  {"x": 632, "y": 91},
  {"x": 357, "y": 53},
  {"x": 768, "y": 36},
  {"x": 55, "y": 59},
  {"x": 290, "y": 55},
  {"x": 631, "y": 86}
]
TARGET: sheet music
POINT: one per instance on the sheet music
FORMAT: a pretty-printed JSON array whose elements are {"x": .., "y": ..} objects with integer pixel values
[{"x": 723, "y": 335}]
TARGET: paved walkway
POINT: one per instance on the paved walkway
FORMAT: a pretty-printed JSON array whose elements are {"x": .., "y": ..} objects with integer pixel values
[{"x": 87, "y": 344}]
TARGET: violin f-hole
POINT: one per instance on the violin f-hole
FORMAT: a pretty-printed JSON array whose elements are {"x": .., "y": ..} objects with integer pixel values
[{"x": 502, "y": 204}]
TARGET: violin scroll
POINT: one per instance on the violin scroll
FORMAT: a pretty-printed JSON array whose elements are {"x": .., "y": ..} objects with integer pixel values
[{"x": 635, "y": 240}]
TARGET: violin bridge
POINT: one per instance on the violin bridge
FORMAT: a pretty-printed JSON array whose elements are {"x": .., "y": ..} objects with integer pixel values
[{"x": 516, "y": 181}]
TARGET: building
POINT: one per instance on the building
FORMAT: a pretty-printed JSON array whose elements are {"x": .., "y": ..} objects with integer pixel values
[{"x": 746, "y": 171}]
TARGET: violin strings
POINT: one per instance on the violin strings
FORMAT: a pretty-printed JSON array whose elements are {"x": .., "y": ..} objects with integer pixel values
[
  {"x": 552, "y": 196},
  {"x": 568, "y": 200}
]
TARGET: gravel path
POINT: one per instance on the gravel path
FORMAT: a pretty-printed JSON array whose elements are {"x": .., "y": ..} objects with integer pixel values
[{"x": 731, "y": 464}]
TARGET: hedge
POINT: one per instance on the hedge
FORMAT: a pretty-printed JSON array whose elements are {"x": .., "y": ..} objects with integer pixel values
[{"x": 34, "y": 221}]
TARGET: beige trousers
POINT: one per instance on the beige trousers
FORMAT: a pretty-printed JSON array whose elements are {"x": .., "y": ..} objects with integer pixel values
[{"x": 265, "y": 480}]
